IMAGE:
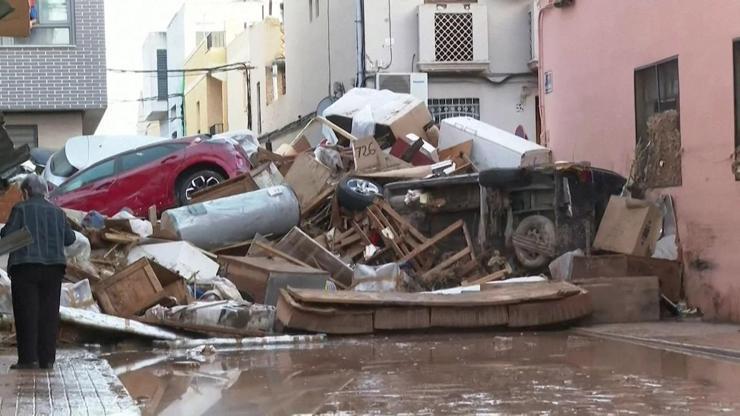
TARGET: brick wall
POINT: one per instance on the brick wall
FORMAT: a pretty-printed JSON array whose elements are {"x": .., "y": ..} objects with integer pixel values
[{"x": 59, "y": 78}]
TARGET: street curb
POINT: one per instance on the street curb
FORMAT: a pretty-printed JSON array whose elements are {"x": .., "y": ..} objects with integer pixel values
[{"x": 680, "y": 347}]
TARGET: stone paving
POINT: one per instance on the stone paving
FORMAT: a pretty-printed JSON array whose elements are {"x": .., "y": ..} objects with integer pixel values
[{"x": 80, "y": 384}]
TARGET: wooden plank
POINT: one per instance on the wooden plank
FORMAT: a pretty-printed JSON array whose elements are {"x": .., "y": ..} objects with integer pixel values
[
  {"x": 8, "y": 200},
  {"x": 308, "y": 178},
  {"x": 277, "y": 253},
  {"x": 507, "y": 294},
  {"x": 469, "y": 242},
  {"x": 457, "y": 153},
  {"x": 299, "y": 245},
  {"x": 402, "y": 222},
  {"x": 432, "y": 241},
  {"x": 479, "y": 317},
  {"x": 669, "y": 272},
  {"x": 624, "y": 299},
  {"x": 491, "y": 277},
  {"x": 401, "y": 318},
  {"x": 447, "y": 263},
  {"x": 558, "y": 311},
  {"x": 322, "y": 319},
  {"x": 121, "y": 238},
  {"x": 317, "y": 202},
  {"x": 234, "y": 186},
  {"x": 208, "y": 330}
]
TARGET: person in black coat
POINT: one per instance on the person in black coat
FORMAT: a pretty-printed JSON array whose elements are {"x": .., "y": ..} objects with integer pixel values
[{"x": 36, "y": 272}]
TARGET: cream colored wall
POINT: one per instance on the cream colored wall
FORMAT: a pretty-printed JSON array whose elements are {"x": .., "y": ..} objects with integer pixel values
[
  {"x": 53, "y": 128},
  {"x": 236, "y": 83}
]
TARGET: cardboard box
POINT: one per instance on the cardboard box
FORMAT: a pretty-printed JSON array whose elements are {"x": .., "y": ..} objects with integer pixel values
[{"x": 629, "y": 226}]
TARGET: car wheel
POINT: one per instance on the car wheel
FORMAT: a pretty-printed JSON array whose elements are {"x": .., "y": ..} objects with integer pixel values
[
  {"x": 196, "y": 181},
  {"x": 542, "y": 230},
  {"x": 356, "y": 194}
]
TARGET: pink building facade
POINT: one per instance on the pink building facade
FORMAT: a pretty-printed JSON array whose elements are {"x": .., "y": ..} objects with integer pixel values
[{"x": 591, "y": 54}]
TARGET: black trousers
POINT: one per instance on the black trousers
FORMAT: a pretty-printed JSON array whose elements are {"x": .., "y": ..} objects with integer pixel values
[{"x": 35, "y": 291}]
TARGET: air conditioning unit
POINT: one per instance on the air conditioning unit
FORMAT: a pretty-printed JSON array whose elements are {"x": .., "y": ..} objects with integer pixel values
[
  {"x": 414, "y": 83},
  {"x": 453, "y": 37}
]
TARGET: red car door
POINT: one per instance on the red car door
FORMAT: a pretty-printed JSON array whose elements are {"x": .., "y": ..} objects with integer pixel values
[
  {"x": 146, "y": 178},
  {"x": 88, "y": 190}
]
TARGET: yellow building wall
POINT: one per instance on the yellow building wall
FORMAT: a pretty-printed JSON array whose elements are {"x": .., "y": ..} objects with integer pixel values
[{"x": 204, "y": 99}]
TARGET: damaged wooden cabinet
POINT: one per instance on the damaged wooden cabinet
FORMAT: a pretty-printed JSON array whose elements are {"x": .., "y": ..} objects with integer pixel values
[{"x": 130, "y": 291}]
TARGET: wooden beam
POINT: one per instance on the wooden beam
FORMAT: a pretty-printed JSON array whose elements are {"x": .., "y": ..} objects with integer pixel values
[
  {"x": 432, "y": 241},
  {"x": 277, "y": 253},
  {"x": 447, "y": 263}
]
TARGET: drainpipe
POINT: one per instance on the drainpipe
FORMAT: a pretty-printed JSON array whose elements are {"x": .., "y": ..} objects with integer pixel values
[
  {"x": 541, "y": 70},
  {"x": 360, "y": 27}
]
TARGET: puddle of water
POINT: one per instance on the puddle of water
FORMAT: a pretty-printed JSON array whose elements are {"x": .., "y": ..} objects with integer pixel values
[{"x": 435, "y": 374}]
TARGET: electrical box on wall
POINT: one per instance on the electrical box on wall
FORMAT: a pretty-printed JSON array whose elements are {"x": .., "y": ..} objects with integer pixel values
[
  {"x": 453, "y": 37},
  {"x": 414, "y": 83}
]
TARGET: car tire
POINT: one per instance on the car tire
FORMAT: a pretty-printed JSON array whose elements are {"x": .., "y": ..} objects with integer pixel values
[
  {"x": 541, "y": 228},
  {"x": 196, "y": 181},
  {"x": 356, "y": 194}
]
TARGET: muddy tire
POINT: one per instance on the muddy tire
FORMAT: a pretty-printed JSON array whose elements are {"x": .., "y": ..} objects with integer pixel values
[
  {"x": 543, "y": 230},
  {"x": 195, "y": 181},
  {"x": 356, "y": 194}
]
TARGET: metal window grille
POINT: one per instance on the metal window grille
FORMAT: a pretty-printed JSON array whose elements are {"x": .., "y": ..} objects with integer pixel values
[
  {"x": 162, "y": 74},
  {"x": 442, "y": 108},
  {"x": 453, "y": 37}
]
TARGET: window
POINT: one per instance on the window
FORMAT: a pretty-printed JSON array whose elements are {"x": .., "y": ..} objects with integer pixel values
[
  {"x": 736, "y": 55},
  {"x": 442, "y": 108},
  {"x": 162, "y": 74},
  {"x": 23, "y": 134},
  {"x": 310, "y": 10},
  {"x": 657, "y": 125},
  {"x": 197, "y": 116},
  {"x": 52, "y": 25},
  {"x": 215, "y": 40},
  {"x": 98, "y": 172},
  {"x": 173, "y": 112},
  {"x": 318, "y": 8},
  {"x": 137, "y": 159},
  {"x": 453, "y": 37},
  {"x": 216, "y": 129}
]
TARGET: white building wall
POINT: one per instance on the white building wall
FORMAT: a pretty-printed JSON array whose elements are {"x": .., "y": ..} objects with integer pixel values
[
  {"x": 319, "y": 51},
  {"x": 506, "y": 92},
  {"x": 229, "y": 16},
  {"x": 175, "y": 81},
  {"x": 236, "y": 81},
  {"x": 153, "y": 111}
]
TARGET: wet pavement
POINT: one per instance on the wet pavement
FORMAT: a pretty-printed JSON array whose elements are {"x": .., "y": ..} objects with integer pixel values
[
  {"x": 474, "y": 373},
  {"x": 79, "y": 384}
]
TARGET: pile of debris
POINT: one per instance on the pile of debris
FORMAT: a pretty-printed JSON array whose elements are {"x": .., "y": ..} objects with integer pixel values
[{"x": 371, "y": 219}]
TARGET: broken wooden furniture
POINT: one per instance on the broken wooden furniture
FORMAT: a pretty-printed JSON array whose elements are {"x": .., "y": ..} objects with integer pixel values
[
  {"x": 509, "y": 305},
  {"x": 262, "y": 277}
]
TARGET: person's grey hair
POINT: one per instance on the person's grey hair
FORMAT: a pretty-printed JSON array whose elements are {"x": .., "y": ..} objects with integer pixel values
[{"x": 34, "y": 185}]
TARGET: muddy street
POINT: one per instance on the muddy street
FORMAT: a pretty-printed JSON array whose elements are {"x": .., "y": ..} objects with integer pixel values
[{"x": 554, "y": 372}]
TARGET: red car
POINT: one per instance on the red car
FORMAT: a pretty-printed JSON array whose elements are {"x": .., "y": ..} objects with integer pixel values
[{"x": 165, "y": 174}]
